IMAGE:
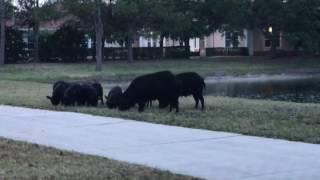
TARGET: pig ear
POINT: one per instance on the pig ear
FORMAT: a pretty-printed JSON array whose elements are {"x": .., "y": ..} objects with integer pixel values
[
  {"x": 106, "y": 97},
  {"x": 49, "y": 97}
]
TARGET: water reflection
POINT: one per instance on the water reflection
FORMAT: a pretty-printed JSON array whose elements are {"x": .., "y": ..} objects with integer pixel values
[{"x": 295, "y": 88}]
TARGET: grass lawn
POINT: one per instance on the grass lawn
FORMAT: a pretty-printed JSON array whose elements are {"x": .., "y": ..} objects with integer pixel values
[
  {"x": 119, "y": 70},
  {"x": 21, "y": 160},
  {"x": 27, "y": 85},
  {"x": 284, "y": 120}
]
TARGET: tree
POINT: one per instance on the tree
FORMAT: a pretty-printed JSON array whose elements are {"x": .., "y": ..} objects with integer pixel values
[
  {"x": 99, "y": 34},
  {"x": 36, "y": 26},
  {"x": 162, "y": 18},
  {"x": 187, "y": 21},
  {"x": 29, "y": 13},
  {"x": 197, "y": 18},
  {"x": 226, "y": 15},
  {"x": 126, "y": 12},
  {"x": 86, "y": 11},
  {"x": 109, "y": 24},
  {"x": 14, "y": 51},
  {"x": 2, "y": 32},
  {"x": 295, "y": 20},
  {"x": 270, "y": 17},
  {"x": 302, "y": 27},
  {"x": 68, "y": 44},
  {"x": 132, "y": 17},
  {"x": 6, "y": 11},
  {"x": 237, "y": 17}
]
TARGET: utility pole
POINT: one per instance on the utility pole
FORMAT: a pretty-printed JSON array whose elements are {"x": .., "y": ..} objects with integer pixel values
[
  {"x": 36, "y": 31},
  {"x": 2, "y": 32}
]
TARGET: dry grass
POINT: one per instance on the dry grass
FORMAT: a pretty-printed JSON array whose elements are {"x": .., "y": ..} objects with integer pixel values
[{"x": 21, "y": 160}]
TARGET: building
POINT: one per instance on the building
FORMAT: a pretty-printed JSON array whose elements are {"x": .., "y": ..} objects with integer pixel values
[{"x": 255, "y": 42}]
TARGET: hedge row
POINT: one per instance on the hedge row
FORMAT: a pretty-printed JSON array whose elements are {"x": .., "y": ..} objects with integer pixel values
[{"x": 68, "y": 44}]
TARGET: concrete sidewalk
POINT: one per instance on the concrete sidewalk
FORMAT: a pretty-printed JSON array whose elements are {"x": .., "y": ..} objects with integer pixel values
[{"x": 200, "y": 153}]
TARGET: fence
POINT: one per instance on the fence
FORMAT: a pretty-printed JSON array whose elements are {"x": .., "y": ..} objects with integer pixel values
[
  {"x": 240, "y": 51},
  {"x": 143, "y": 53},
  {"x": 138, "y": 53}
]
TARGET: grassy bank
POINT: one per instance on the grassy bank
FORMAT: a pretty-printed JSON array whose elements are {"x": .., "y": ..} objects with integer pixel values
[
  {"x": 119, "y": 70},
  {"x": 284, "y": 120},
  {"x": 28, "y": 84},
  {"x": 21, "y": 160}
]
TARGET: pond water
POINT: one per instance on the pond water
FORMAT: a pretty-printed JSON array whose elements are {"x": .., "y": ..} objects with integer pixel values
[{"x": 295, "y": 88}]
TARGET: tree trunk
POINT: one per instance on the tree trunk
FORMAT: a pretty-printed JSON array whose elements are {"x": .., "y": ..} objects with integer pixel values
[
  {"x": 99, "y": 35},
  {"x": 250, "y": 42},
  {"x": 36, "y": 42},
  {"x": 161, "y": 40},
  {"x": 2, "y": 32},
  {"x": 297, "y": 47},
  {"x": 130, "y": 48},
  {"x": 180, "y": 43},
  {"x": 103, "y": 39},
  {"x": 273, "y": 49},
  {"x": 187, "y": 46},
  {"x": 202, "y": 47},
  {"x": 163, "y": 52},
  {"x": 36, "y": 34}
]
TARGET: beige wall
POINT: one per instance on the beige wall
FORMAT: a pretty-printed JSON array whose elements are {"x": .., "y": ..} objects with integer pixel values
[
  {"x": 244, "y": 40},
  {"x": 259, "y": 43},
  {"x": 170, "y": 42},
  {"x": 209, "y": 41},
  {"x": 217, "y": 39}
]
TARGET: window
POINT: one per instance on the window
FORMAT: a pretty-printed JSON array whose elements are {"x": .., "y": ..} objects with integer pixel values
[
  {"x": 149, "y": 42},
  {"x": 232, "y": 39},
  {"x": 228, "y": 39},
  {"x": 267, "y": 42}
]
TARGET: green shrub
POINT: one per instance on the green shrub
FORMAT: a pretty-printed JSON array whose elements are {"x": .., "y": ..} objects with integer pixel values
[
  {"x": 68, "y": 44},
  {"x": 14, "y": 49}
]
